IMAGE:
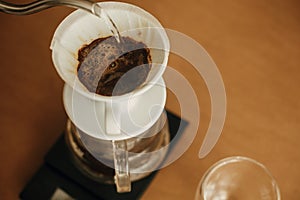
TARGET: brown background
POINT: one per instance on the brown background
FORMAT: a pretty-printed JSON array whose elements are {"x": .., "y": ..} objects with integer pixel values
[{"x": 255, "y": 44}]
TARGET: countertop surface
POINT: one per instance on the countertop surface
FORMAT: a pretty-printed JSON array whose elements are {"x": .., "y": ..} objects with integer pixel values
[{"x": 254, "y": 43}]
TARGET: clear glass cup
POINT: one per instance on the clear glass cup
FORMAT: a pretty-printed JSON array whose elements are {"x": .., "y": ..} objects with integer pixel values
[{"x": 237, "y": 178}]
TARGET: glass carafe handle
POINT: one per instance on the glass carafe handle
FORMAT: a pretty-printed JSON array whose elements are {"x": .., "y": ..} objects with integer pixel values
[{"x": 122, "y": 173}]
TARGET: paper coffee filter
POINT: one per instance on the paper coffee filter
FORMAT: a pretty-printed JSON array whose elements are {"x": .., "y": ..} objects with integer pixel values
[{"x": 81, "y": 27}]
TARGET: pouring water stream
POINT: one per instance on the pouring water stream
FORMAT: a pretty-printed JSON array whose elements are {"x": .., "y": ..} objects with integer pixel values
[{"x": 37, "y": 6}]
